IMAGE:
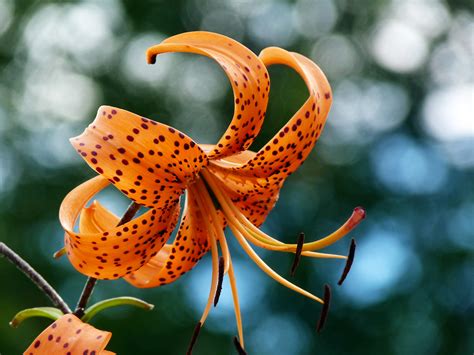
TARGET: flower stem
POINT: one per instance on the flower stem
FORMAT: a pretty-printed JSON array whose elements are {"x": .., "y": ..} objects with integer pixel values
[
  {"x": 34, "y": 276},
  {"x": 91, "y": 281}
]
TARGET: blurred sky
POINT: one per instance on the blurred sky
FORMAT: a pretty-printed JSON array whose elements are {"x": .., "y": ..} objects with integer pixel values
[{"x": 399, "y": 140}]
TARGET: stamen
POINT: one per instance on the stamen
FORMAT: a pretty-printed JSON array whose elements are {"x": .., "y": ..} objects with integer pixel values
[
  {"x": 325, "y": 310},
  {"x": 350, "y": 259},
  {"x": 219, "y": 281},
  {"x": 239, "y": 347},
  {"x": 267, "y": 269},
  {"x": 262, "y": 239},
  {"x": 299, "y": 249},
  {"x": 234, "y": 226},
  {"x": 193, "y": 339},
  {"x": 228, "y": 262},
  {"x": 214, "y": 252},
  {"x": 217, "y": 230},
  {"x": 235, "y": 298}
]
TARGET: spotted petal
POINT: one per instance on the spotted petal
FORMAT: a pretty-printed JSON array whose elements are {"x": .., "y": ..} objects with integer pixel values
[
  {"x": 174, "y": 260},
  {"x": 291, "y": 145},
  {"x": 247, "y": 74},
  {"x": 69, "y": 335},
  {"x": 149, "y": 162},
  {"x": 116, "y": 251}
]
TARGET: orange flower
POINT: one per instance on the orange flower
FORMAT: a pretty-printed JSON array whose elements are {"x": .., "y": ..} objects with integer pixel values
[
  {"x": 154, "y": 164},
  {"x": 69, "y": 335}
]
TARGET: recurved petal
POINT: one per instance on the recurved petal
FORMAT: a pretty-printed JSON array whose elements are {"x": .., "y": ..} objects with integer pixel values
[
  {"x": 115, "y": 251},
  {"x": 149, "y": 162},
  {"x": 69, "y": 335},
  {"x": 174, "y": 260},
  {"x": 291, "y": 145},
  {"x": 248, "y": 77}
]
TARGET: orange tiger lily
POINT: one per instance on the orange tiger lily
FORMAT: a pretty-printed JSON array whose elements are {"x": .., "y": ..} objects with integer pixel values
[
  {"x": 154, "y": 164},
  {"x": 69, "y": 335}
]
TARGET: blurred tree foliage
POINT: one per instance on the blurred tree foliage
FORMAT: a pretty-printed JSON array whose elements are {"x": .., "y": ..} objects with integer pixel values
[{"x": 411, "y": 290}]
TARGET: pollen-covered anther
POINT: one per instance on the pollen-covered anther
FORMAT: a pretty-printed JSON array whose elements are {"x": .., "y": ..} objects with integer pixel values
[
  {"x": 349, "y": 261},
  {"x": 197, "y": 329},
  {"x": 219, "y": 281},
  {"x": 299, "y": 249},
  {"x": 239, "y": 347},
  {"x": 325, "y": 310}
]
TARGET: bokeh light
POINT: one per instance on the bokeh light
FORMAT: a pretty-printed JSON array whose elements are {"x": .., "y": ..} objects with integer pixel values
[{"x": 399, "y": 141}]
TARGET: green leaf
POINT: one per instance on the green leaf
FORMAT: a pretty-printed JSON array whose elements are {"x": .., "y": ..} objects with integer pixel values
[
  {"x": 46, "y": 312},
  {"x": 90, "y": 312}
]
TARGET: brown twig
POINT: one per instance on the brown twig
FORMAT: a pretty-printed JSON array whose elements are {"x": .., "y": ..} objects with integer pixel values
[{"x": 34, "y": 276}]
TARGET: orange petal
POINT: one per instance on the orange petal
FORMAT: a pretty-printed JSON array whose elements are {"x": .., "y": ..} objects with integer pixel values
[
  {"x": 119, "y": 250},
  {"x": 292, "y": 144},
  {"x": 248, "y": 77},
  {"x": 97, "y": 219},
  {"x": 174, "y": 260},
  {"x": 149, "y": 162},
  {"x": 69, "y": 335}
]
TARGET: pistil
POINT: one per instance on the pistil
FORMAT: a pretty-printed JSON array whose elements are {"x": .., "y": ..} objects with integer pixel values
[{"x": 263, "y": 240}]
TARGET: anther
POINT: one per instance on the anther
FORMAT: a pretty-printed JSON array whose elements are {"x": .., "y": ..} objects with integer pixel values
[
  {"x": 239, "y": 347},
  {"x": 299, "y": 249},
  {"x": 194, "y": 338},
  {"x": 219, "y": 281},
  {"x": 350, "y": 259},
  {"x": 325, "y": 310}
]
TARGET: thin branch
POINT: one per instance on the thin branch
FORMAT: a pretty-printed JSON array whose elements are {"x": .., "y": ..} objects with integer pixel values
[
  {"x": 91, "y": 281},
  {"x": 34, "y": 276},
  {"x": 85, "y": 295}
]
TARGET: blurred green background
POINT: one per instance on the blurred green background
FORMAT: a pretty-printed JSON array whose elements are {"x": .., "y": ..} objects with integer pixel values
[{"x": 399, "y": 141}]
